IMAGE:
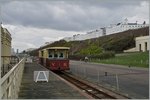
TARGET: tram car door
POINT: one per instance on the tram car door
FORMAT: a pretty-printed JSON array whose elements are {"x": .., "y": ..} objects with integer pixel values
[
  {"x": 41, "y": 53},
  {"x": 43, "y": 57}
]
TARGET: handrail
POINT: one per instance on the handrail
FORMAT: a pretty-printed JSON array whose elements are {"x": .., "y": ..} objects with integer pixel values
[
  {"x": 10, "y": 72},
  {"x": 11, "y": 81},
  {"x": 7, "y": 62}
]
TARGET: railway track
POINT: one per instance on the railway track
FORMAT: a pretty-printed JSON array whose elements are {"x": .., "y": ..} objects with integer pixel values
[{"x": 90, "y": 90}]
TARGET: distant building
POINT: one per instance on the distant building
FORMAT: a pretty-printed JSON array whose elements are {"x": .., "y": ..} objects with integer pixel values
[
  {"x": 17, "y": 52},
  {"x": 12, "y": 52},
  {"x": 142, "y": 44},
  {"x": 115, "y": 28},
  {"x": 124, "y": 26},
  {"x": 91, "y": 34}
]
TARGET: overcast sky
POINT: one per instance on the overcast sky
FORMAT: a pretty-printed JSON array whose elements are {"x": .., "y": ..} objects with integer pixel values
[{"x": 34, "y": 22}]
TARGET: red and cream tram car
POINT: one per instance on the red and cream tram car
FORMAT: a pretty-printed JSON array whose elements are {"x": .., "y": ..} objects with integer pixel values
[{"x": 54, "y": 58}]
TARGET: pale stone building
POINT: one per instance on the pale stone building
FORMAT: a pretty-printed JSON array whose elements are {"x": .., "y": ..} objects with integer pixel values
[{"x": 142, "y": 44}]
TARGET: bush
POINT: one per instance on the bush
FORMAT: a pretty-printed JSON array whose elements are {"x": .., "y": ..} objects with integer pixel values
[{"x": 91, "y": 50}]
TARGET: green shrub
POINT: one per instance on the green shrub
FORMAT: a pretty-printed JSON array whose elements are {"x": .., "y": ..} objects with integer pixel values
[{"x": 91, "y": 50}]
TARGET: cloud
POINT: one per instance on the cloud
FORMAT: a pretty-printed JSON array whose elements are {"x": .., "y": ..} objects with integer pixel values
[
  {"x": 141, "y": 13},
  {"x": 32, "y": 23},
  {"x": 22, "y": 45},
  {"x": 30, "y": 37},
  {"x": 72, "y": 15}
]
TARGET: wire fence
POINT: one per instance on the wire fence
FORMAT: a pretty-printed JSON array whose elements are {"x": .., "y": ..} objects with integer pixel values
[{"x": 117, "y": 82}]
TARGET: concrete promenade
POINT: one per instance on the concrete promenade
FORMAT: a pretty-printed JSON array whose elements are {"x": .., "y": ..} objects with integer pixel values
[{"x": 55, "y": 88}]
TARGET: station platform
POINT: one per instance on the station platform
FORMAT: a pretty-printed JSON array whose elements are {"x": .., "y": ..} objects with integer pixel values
[{"x": 55, "y": 88}]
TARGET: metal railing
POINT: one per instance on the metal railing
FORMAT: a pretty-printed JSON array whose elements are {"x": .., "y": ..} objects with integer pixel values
[
  {"x": 11, "y": 81},
  {"x": 7, "y": 63}
]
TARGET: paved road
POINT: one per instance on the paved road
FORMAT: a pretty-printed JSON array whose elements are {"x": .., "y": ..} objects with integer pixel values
[{"x": 132, "y": 81}]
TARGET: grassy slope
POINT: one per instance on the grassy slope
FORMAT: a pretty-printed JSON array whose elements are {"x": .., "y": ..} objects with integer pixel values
[{"x": 140, "y": 59}]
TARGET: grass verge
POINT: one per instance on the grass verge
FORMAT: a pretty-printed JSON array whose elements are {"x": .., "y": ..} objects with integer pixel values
[{"x": 138, "y": 59}]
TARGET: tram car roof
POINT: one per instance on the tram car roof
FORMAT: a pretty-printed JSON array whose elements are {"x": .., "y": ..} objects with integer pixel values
[{"x": 61, "y": 48}]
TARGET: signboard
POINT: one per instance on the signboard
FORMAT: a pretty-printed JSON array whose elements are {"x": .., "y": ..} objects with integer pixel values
[{"x": 41, "y": 76}]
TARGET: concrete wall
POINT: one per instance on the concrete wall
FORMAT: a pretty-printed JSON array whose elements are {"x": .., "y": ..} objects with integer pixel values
[{"x": 130, "y": 50}]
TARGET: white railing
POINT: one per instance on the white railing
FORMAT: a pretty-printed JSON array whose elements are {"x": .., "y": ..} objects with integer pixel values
[{"x": 10, "y": 83}]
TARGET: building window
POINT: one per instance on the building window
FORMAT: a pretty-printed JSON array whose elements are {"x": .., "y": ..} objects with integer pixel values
[
  {"x": 145, "y": 46},
  {"x": 139, "y": 47}
]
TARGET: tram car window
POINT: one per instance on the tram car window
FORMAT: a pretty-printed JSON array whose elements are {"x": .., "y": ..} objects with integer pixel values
[
  {"x": 54, "y": 58},
  {"x": 50, "y": 55},
  {"x": 61, "y": 55},
  {"x": 55, "y": 55}
]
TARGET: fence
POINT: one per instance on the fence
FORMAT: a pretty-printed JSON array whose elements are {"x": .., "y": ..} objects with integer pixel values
[
  {"x": 115, "y": 81},
  {"x": 11, "y": 81},
  {"x": 97, "y": 76}
]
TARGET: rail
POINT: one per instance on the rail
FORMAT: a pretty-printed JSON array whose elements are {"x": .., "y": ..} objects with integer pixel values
[
  {"x": 95, "y": 93},
  {"x": 11, "y": 81},
  {"x": 89, "y": 89}
]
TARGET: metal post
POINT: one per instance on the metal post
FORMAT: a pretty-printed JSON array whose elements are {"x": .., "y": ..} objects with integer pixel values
[
  {"x": 76, "y": 70},
  {"x": 85, "y": 72},
  {"x": 0, "y": 46},
  {"x": 105, "y": 73},
  {"x": 98, "y": 76},
  {"x": 117, "y": 83}
]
